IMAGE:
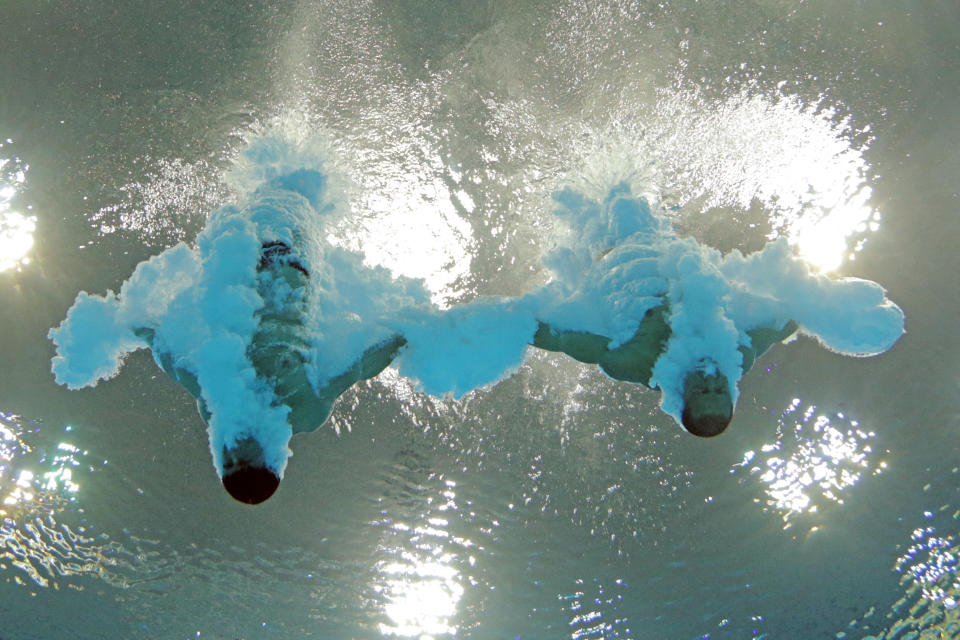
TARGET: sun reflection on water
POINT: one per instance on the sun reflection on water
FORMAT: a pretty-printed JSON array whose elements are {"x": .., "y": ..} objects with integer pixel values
[
  {"x": 39, "y": 485},
  {"x": 930, "y": 570},
  {"x": 423, "y": 597},
  {"x": 418, "y": 578},
  {"x": 814, "y": 462},
  {"x": 412, "y": 223},
  {"x": 930, "y": 564},
  {"x": 16, "y": 229}
]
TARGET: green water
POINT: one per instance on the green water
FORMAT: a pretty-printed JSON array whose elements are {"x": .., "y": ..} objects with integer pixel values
[{"x": 559, "y": 503}]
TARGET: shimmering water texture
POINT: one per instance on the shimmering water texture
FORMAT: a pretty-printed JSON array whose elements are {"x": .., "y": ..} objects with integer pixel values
[
  {"x": 47, "y": 542},
  {"x": 44, "y": 543},
  {"x": 815, "y": 462},
  {"x": 929, "y": 608}
]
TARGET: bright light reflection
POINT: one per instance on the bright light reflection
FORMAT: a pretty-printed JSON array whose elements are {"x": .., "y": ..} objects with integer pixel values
[
  {"x": 823, "y": 242},
  {"x": 420, "y": 582},
  {"x": 16, "y": 229},
  {"x": 423, "y": 597},
  {"x": 412, "y": 227},
  {"x": 28, "y": 485},
  {"x": 37, "y": 484},
  {"x": 814, "y": 461},
  {"x": 931, "y": 565},
  {"x": 804, "y": 163},
  {"x": 931, "y": 581}
]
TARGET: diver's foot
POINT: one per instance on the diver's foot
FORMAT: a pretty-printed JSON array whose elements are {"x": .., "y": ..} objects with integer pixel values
[{"x": 251, "y": 485}]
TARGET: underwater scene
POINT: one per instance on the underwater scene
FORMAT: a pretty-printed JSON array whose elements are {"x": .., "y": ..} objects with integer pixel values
[{"x": 494, "y": 320}]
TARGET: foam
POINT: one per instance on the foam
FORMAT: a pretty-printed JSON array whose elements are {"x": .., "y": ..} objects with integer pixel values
[
  {"x": 617, "y": 256},
  {"x": 621, "y": 257}
]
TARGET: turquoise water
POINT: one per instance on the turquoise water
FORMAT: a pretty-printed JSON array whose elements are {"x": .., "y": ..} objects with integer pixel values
[{"x": 558, "y": 503}]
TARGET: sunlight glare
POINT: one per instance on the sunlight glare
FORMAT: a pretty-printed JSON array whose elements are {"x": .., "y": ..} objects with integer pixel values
[
  {"x": 16, "y": 229},
  {"x": 423, "y": 598},
  {"x": 814, "y": 462},
  {"x": 412, "y": 226},
  {"x": 419, "y": 579}
]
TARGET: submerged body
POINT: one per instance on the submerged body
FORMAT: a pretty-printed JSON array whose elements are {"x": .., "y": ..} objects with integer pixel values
[
  {"x": 279, "y": 352},
  {"x": 260, "y": 320},
  {"x": 266, "y": 323},
  {"x": 708, "y": 406}
]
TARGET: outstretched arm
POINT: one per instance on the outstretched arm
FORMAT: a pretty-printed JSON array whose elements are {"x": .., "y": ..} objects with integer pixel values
[
  {"x": 631, "y": 361},
  {"x": 309, "y": 410},
  {"x": 579, "y": 345},
  {"x": 762, "y": 339}
]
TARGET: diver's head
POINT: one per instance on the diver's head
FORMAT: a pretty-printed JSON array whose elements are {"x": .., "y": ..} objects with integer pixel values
[
  {"x": 707, "y": 406},
  {"x": 245, "y": 473}
]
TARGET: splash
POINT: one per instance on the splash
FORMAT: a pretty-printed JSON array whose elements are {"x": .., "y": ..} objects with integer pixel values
[
  {"x": 804, "y": 163},
  {"x": 205, "y": 309}
]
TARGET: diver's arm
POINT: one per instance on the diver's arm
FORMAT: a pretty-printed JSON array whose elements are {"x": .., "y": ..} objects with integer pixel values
[
  {"x": 310, "y": 408},
  {"x": 579, "y": 345},
  {"x": 373, "y": 361},
  {"x": 762, "y": 339},
  {"x": 632, "y": 361}
]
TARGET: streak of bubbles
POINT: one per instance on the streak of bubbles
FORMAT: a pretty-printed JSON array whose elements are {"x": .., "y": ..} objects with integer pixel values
[
  {"x": 813, "y": 465},
  {"x": 161, "y": 172},
  {"x": 757, "y": 151},
  {"x": 166, "y": 205},
  {"x": 455, "y": 144}
]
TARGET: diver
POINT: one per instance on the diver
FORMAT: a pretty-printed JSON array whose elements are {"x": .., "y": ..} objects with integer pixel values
[
  {"x": 279, "y": 352},
  {"x": 229, "y": 319},
  {"x": 266, "y": 323},
  {"x": 650, "y": 307},
  {"x": 707, "y": 403}
]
